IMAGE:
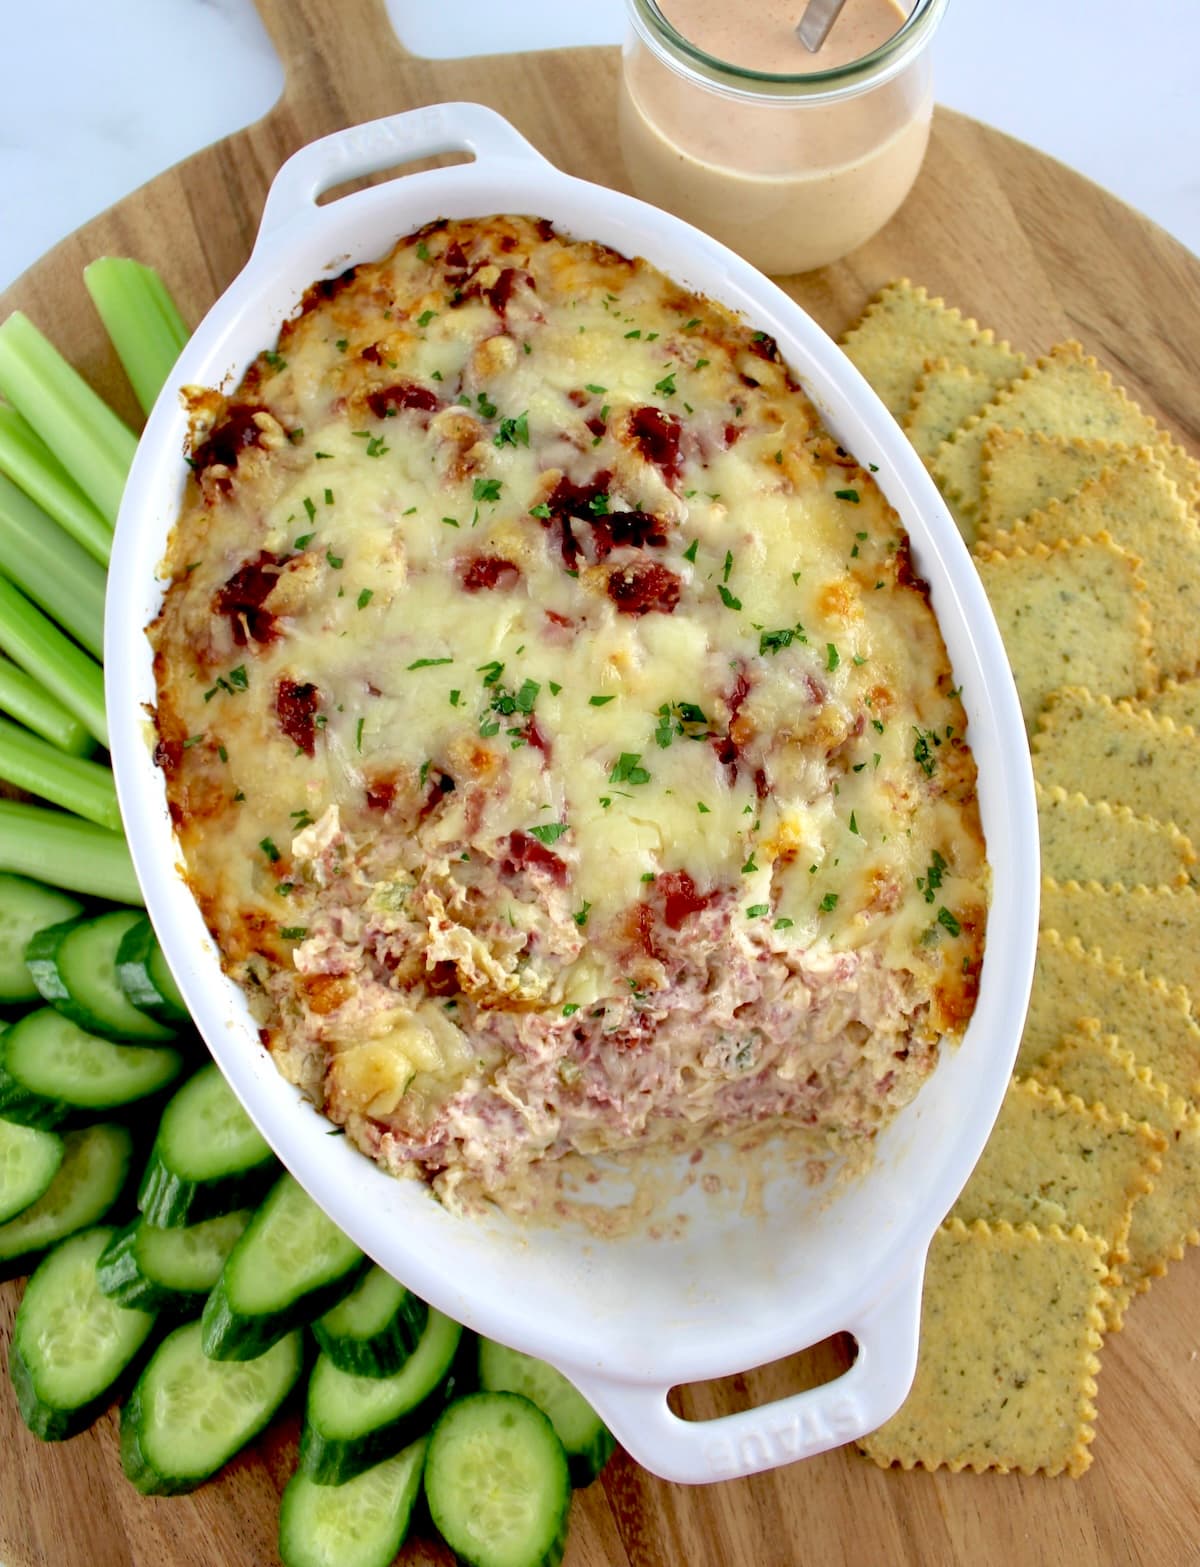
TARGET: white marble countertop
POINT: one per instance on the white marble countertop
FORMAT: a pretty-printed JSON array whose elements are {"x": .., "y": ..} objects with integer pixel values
[{"x": 99, "y": 98}]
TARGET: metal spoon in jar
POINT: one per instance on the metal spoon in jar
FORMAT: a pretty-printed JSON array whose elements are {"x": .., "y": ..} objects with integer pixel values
[{"x": 814, "y": 26}]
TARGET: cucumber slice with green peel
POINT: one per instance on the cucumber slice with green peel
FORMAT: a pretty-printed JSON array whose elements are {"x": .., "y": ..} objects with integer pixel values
[
  {"x": 51, "y": 1068},
  {"x": 290, "y": 1264},
  {"x": 26, "y": 907},
  {"x": 360, "y": 1524},
  {"x": 208, "y": 1157},
  {"x": 374, "y": 1330},
  {"x": 587, "y": 1441},
  {"x": 70, "y": 1343},
  {"x": 92, "y": 1175},
  {"x": 144, "y": 977},
  {"x": 29, "y": 1161},
  {"x": 351, "y": 1423},
  {"x": 188, "y": 1415},
  {"x": 497, "y": 1482},
  {"x": 168, "y": 1270},
  {"x": 74, "y": 966}
]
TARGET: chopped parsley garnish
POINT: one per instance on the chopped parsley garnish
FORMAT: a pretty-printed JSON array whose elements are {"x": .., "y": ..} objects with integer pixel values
[
  {"x": 570, "y": 1009},
  {"x": 667, "y": 385},
  {"x": 854, "y": 824},
  {"x": 454, "y": 696},
  {"x": 750, "y": 866},
  {"x": 192, "y": 740},
  {"x": 487, "y": 408},
  {"x": 429, "y": 663},
  {"x": 932, "y": 879},
  {"x": 426, "y": 317},
  {"x": 335, "y": 561},
  {"x": 832, "y": 659},
  {"x": 772, "y": 641},
  {"x": 422, "y": 250},
  {"x": 540, "y": 510},
  {"x": 358, "y": 734},
  {"x": 637, "y": 331},
  {"x": 555, "y": 688},
  {"x": 628, "y": 769},
  {"x": 728, "y": 566},
  {"x": 303, "y": 540},
  {"x": 451, "y": 522},
  {"x": 757, "y": 910},
  {"x": 847, "y": 495},
  {"x": 727, "y": 598},
  {"x": 598, "y": 390},
  {"x": 486, "y": 490},
  {"x": 342, "y": 344},
  {"x": 922, "y": 754},
  {"x": 549, "y": 832},
  {"x": 490, "y": 672},
  {"x": 268, "y": 848},
  {"x": 293, "y": 932},
  {"x": 783, "y": 924},
  {"x": 309, "y": 509},
  {"x": 599, "y": 701},
  {"x": 829, "y": 903},
  {"x": 946, "y": 919},
  {"x": 690, "y": 552},
  {"x": 365, "y": 597},
  {"x": 276, "y": 361},
  {"x": 702, "y": 808},
  {"x": 581, "y": 915},
  {"x": 598, "y": 505},
  {"x": 222, "y": 753},
  {"x": 513, "y": 432}
]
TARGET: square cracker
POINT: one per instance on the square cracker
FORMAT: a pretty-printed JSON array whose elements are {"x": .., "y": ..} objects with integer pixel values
[
  {"x": 902, "y": 327},
  {"x": 1140, "y": 507},
  {"x": 1023, "y": 471},
  {"x": 1154, "y": 1019},
  {"x": 945, "y": 396},
  {"x": 1091, "y": 840},
  {"x": 1178, "y": 700},
  {"x": 1089, "y": 742},
  {"x": 1155, "y": 929},
  {"x": 1098, "y": 1069},
  {"x": 1067, "y": 394},
  {"x": 1053, "y": 1160},
  {"x": 1010, "y": 1326},
  {"x": 1072, "y": 613}
]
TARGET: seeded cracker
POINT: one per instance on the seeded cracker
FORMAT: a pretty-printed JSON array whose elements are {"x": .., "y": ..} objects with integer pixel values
[
  {"x": 1140, "y": 507},
  {"x": 1093, "y": 744},
  {"x": 1064, "y": 394},
  {"x": 945, "y": 396},
  {"x": 1153, "y": 1019},
  {"x": 1155, "y": 929},
  {"x": 1010, "y": 1325},
  {"x": 1053, "y": 1160},
  {"x": 902, "y": 328},
  {"x": 1069, "y": 614},
  {"x": 1178, "y": 700},
  {"x": 1091, "y": 840},
  {"x": 1024, "y": 470},
  {"x": 1098, "y": 1069}
]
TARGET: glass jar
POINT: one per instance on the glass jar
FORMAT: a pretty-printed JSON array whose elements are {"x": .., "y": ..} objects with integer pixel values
[{"x": 791, "y": 171}]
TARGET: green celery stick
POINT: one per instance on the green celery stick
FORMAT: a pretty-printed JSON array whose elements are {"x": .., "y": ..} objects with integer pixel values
[
  {"x": 65, "y": 852},
  {"x": 141, "y": 320},
  {"x": 84, "y": 788},
  {"x": 64, "y": 670},
  {"x": 47, "y": 564},
  {"x": 93, "y": 445},
  {"x": 23, "y": 699},
  {"x": 34, "y": 468}
]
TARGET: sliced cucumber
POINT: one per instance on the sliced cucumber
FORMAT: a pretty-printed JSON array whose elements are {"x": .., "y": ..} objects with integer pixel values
[
  {"x": 208, "y": 1157},
  {"x": 25, "y": 908},
  {"x": 360, "y": 1524},
  {"x": 497, "y": 1483},
  {"x": 586, "y": 1439},
  {"x": 51, "y": 1068},
  {"x": 70, "y": 1343},
  {"x": 291, "y": 1263},
  {"x": 144, "y": 977},
  {"x": 168, "y": 1270},
  {"x": 91, "y": 1177},
  {"x": 351, "y": 1423},
  {"x": 74, "y": 966},
  {"x": 29, "y": 1161},
  {"x": 188, "y": 1414},
  {"x": 374, "y": 1330}
]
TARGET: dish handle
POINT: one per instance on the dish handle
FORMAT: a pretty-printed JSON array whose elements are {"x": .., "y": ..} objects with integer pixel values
[
  {"x": 694, "y": 1452},
  {"x": 387, "y": 143}
]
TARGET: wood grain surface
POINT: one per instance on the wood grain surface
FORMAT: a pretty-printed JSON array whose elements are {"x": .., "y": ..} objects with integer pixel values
[{"x": 1032, "y": 250}]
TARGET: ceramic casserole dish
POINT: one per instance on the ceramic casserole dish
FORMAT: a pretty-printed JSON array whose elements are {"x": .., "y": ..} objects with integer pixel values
[{"x": 625, "y": 1318}]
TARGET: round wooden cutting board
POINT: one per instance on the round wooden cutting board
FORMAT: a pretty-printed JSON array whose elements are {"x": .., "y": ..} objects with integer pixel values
[{"x": 1033, "y": 251}]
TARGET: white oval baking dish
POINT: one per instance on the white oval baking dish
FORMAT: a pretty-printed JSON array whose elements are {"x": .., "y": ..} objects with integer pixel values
[{"x": 625, "y": 1319}]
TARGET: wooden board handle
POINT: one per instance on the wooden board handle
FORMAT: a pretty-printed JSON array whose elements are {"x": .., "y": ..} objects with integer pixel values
[{"x": 324, "y": 48}]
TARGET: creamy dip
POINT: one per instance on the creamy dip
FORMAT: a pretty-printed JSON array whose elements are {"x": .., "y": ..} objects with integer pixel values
[{"x": 790, "y": 183}]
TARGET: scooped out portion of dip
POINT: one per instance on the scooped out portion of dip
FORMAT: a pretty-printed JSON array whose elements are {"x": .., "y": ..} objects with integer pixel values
[{"x": 563, "y": 751}]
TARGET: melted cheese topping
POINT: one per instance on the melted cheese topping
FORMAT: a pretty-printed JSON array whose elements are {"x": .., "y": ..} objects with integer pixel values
[{"x": 522, "y": 616}]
